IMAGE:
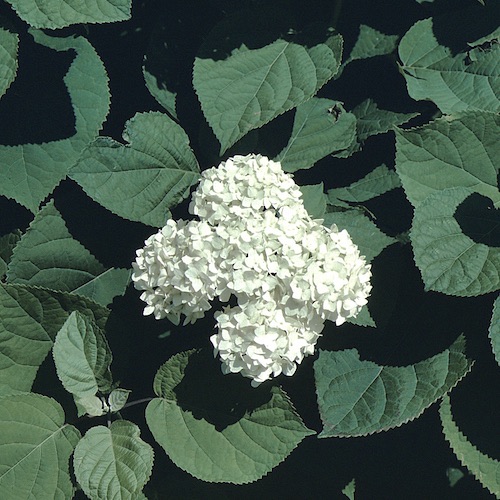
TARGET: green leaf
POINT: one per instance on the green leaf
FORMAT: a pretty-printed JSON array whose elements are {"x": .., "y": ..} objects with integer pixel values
[
  {"x": 363, "y": 232},
  {"x": 377, "y": 182},
  {"x": 213, "y": 444},
  {"x": 161, "y": 67},
  {"x": 35, "y": 446},
  {"x": 358, "y": 397},
  {"x": 117, "y": 399},
  {"x": 106, "y": 286},
  {"x": 7, "y": 244},
  {"x": 48, "y": 256},
  {"x": 113, "y": 462},
  {"x": 143, "y": 179},
  {"x": 454, "y": 475},
  {"x": 494, "y": 330},
  {"x": 372, "y": 121},
  {"x": 450, "y": 152},
  {"x": 321, "y": 126},
  {"x": 450, "y": 261},
  {"x": 485, "y": 469},
  {"x": 462, "y": 82},
  {"x": 350, "y": 489},
  {"x": 53, "y": 14},
  {"x": 371, "y": 43},
  {"x": 30, "y": 172},
  {"x": 252, "y": 86},
  {"x": 82, "y": 357},
  {"x": 363, "y": 318},
  {"x": 30, "y": 318},
  {"x": 314, "y": 200},
  {"x": 9, "y": 43}
]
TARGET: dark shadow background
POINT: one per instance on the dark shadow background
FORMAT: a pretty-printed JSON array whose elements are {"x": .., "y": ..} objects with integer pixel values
[{"x": 404, "y": 463}]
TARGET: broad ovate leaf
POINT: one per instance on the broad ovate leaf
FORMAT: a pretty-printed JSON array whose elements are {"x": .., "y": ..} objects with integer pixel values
[
  {"x": 455, "y": 151},
  {"x": 485, "y": 469},
  {"x": 363, "y": 232},
  {"x": 30, "y": 172},
  {"x": 314, "y": 200},
  {"x": 35, "y": 446},
  {"x": 358, "y": 397},
  {"x": 371, "y": 43},
  {"x": 228, "y": 444},
  {"x": 82, "y": 357},
  {"x": 370, "y": 120},
  {"x": 53, "y": 14},
  {"x": 113, "y": 462},
  {"x": 30, "y": 318},
  {"x": 251, "y": 86},
  {"x": 9, "y": 43},
  {"x": 48, "y": 256},
  {"x": 494, "y": 330},
  {"x": 377, "y": 182},
  {"x": 320, "y": 127},
  {"x": 450, "y": 261},
  {"x": 465, "y": 81},
  {"x": 143, "y": 179},
  {"x": 117, "y": 399}
]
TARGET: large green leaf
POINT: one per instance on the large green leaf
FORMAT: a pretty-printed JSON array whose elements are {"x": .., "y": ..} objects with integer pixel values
[
  {"x": 213, "y": 444},
  {"x": 113, "y": 462},
  {"x": 314, "y": 200},
  {"x": 370, "y": 120},
  {"x": 30, "y": 318},
  {"x": 377, "y": 182},
  {"x": 452, "y": 151},
  {"x": 52, "y": 14},
  {"x": 143, "y": 179},
  {"x": 31, "y": 171},
  {"x": 494, "y": 330},
  {"x": 367, "y": 236},
  {"x": 48, "y": 256},
  {"x": 35, "y": 446},
  {"x": 9, "y": 43},
  {"x": 358, "y": 397},
  {"x": 463, "y": 82},
  {"x": 321, "y": 127},
  {"x": 254, "y": 85},
  {"x": 450, "y": 261},
  {"x": 371, "y": 43},
  {"x": 82, "y": 357},
  {"x": 485, "y": 469},
  {"x": 7, "y": 244}
]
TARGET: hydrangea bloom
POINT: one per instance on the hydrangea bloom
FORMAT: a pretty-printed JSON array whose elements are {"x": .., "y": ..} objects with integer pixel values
[{"x": 255, "y": 241}]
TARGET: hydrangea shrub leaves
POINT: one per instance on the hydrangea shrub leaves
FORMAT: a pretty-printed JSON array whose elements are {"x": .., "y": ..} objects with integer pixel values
[
  {"x": 250, "y": 86},
  {"x": 30, "y": 172},
  {"x": 142, "y": 180},
  {"x": 82, "y": 358},
  {"x": 38, "y": 315},
  {"x": 243, "y": 451},
  {"x": 48, "y": 256},
  {"x": 494, "y": 330},
  {"x": 462, "y": 82},
  {"x": 35, "y": 445},
  {"x": 358, "y": 397},
  {"x": 113, "y": 462},
  {"x": 321, "y": 126},
  {"x": 485, "y": 469},
  {"x": 9, "y": 43},
  {"x": 52, "y": 14}
]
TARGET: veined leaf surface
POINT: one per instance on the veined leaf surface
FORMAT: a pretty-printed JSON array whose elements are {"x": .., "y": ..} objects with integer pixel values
[{"x": 358, "y": 397}]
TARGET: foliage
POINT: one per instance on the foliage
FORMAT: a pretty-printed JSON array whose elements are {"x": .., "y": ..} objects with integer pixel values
[{"x": 409, "y": 166}]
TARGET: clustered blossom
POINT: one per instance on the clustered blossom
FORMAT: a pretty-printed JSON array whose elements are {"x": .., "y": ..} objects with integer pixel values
[{"x": 255, "y": 241}]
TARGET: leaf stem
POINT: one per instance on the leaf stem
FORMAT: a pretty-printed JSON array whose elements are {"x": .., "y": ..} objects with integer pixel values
[{"x": 133, "y": 403}]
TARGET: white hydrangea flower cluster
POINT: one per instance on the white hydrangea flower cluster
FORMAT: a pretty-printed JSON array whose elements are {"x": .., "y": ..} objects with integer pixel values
[{"x": 256, "y": 241}]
